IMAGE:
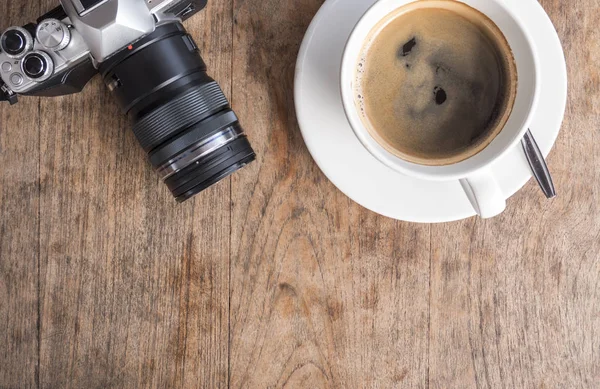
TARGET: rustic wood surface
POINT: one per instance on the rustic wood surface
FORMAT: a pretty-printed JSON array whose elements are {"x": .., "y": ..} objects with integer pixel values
[{"x": 273, "y": 278}]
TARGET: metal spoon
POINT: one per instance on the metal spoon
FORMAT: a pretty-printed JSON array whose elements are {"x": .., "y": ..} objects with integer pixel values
[{"x": 538, "y": 165}]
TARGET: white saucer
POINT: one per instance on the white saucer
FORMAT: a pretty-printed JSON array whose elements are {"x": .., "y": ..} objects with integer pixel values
[{"x": 351, "y": 168}]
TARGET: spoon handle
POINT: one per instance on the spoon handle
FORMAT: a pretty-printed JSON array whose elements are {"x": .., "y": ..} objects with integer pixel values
[{"x": 538, "y": 165}]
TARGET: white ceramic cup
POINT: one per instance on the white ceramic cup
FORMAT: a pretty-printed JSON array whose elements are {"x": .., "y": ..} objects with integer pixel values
[{"x": 474, "y": 174}]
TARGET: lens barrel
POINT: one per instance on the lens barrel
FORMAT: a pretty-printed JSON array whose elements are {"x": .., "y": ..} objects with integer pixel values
[{"x": 180, "y": 115}]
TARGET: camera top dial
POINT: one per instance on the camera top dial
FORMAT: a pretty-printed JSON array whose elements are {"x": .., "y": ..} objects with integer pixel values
[
  {"x": 16, "y": 42},
  {"x": 37, "y": 66},
  {"x": 53, "y": 34}
]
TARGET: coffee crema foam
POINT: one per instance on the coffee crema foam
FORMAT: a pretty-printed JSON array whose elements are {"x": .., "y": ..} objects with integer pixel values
[{"x": 436, "y": 82}]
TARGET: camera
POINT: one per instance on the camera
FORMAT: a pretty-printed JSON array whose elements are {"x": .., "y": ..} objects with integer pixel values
[{"x": 153, "y": 68}]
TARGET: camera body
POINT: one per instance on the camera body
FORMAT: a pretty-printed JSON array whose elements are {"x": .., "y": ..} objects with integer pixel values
[
  {"x": 153, "y": 68},
  {"x": 75, "y": 38}
]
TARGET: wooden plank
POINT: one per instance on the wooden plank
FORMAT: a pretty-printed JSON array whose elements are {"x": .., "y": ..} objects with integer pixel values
[
  {"x": 19, "y": 226},
  {"x": 515, "y": 300},
  {"x": 207, "y": 335},
  {"x": 134, "y": 290},
  {"x": 323, "y": 292},
  {"x": 134, "y": 286}
]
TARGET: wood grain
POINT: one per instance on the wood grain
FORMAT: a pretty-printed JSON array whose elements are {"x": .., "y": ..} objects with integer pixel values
[
  {"x": 273, "y": 278},
  {"x": 516, "y": 300},
  {"x": 134, "y": 287},
  {"x": 316, "y": 300},
  {"x": 19, "y": 231}
]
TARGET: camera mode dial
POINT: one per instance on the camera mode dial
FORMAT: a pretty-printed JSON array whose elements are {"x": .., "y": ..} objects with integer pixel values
[
  {"x": 37, "y": 66},
  {"x": 53, "y": 34},
  {"x": 16, "y": 42}
]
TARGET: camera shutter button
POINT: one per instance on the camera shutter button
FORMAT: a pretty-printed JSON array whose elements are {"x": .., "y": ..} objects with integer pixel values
[{"x": 53, "y": 34}]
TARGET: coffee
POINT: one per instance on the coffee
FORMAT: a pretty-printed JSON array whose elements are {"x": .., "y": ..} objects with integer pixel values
[{"x": 436, "y": 82}]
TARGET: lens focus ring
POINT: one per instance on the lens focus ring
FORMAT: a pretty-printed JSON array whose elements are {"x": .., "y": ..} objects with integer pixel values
[
  {"x": 180, "y": 113},
  {"x": 211, "y": 169},
  {"x": 194, "y": 134},
  {"x": 198, "y": 151}
]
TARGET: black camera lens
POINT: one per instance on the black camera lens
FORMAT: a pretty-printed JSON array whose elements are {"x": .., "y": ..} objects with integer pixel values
[
  {"x": 181, "y": 117},
  {"x": 15, "y": 41}
]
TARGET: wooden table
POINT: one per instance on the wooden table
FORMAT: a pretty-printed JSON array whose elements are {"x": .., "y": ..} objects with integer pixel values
[{"x": 274, "y": 278}]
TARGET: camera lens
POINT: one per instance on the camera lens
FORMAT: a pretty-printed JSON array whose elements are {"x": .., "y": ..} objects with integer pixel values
[
  {"x": 181, "y": 117},
  {"x": 16, "y": 41}
]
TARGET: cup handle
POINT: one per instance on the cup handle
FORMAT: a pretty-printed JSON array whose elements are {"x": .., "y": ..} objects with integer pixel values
[{"x": 484, "y": 193}]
